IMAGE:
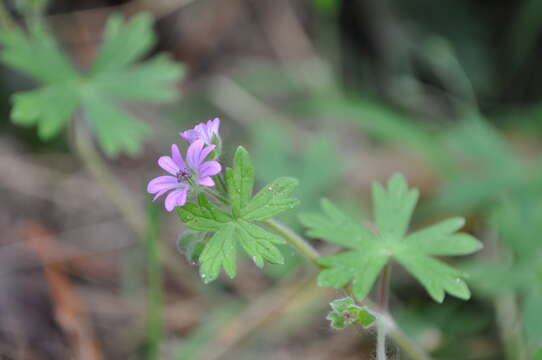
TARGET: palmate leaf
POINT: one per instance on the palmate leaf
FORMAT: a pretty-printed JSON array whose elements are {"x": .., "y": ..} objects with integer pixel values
[
  {"x": 369, "y": 252},
  {"x": 238, "y": 228},
  {"x": 113, "y": 78}
]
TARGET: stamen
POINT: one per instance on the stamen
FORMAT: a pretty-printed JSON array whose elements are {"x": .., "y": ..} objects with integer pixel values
[{"x": 183, "y": 175}]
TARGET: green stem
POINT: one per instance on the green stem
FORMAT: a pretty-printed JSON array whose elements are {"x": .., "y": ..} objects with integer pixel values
[
  {"x": 509, "y": 328},
  {"x": 115, "y": 191},
  {"x": 380, "y": 340},
  {"x": 395, "y": 333},
  {"x": 295, "y": 240},
  {"x": 383, "y": 289},
  {"x": 217, "y": 196},
  {"x": 155, "y": 287}
]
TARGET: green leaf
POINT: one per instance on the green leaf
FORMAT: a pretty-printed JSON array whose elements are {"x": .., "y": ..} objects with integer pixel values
[
  {"x": 123, "y": 43},
  {"x": 116, "y": 129},
  {"x": 369, "y": 252},
  {"x": 34, "y": 108},
  {"x": 334, "y": 226},
  {"x": 21, "y": 52},
  {"x": 435, "y": 276},
  {"x": 190, "y": 245},
  {"x": 271, "y": 200},
  {"x": 441, "y": 239},
  {"x": 238, "y": 227},
  {"x": 203, "y": 215},
  {"x": 393, "y": 207},
  {"x": 148, "y": 81},
  {"x": 259, "y": 243},
  {"x": 361, "y": 267},
  {"x": 113, "y": 79},
  {"x": 240, "y": 181},
  {"x": 219, "y": 252}
]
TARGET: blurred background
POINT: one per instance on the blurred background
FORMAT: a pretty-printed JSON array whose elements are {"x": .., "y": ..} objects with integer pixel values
[{"x": 337, "y": 93}]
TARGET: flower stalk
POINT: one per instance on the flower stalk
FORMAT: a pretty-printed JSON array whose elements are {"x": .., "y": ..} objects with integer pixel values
[{"x": 383, "y": 290}]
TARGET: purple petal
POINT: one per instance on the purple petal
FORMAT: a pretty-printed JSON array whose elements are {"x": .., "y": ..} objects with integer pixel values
[
  {"x": 193, "y": 153},
  {"x": 168, "y": 164},
  {"x": 205, "y": 152},
  {"x": 176, "y": 198},
  {"x": 214, "y": 126},
  {"x": 189, "y": 135},
  {"x": 160, "y": 193},
  {"x": 199, "y": 132},
  {"x": 206, "y": 181},
  {"x": 209, "y": 168},
  {"x": 161, "y": 183},
  {"x": 176, "y": 156}
]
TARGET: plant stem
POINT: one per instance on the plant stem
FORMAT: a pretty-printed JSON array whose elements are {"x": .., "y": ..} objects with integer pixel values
[
  {"x": 380, "y": 340},
  {"x": 509, "y": 326},
  {"x": 396, "y": 334},
  {"x": 295, "y": 240},
  {"x": 129, "y": 209},
  {"x": 383, "y": 289},
  {"x": 155, "y": 291}
]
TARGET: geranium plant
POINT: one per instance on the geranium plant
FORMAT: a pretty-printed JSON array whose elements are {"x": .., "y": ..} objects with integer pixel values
[{"x": 222, "y": 212}]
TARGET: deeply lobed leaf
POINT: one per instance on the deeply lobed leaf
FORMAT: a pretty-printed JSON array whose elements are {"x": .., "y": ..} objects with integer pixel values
[
  {"x": 237, "y": 227},
  {"x": 36, "y": 54},
  {"x": 334, "y": 226},
  {"x": 113, "y": 78},
  {"x": 240, "y": 181},
  {"x": 219, "y": 252},
  {"x": 123, "y": 43},
  {"x": 271, "y": 200},
  {"x": 393, "y": 207},
  {"x": 203, "y": 216},
  {"x": 441, "y": 239},
  {"x": 371, "y": 251}
]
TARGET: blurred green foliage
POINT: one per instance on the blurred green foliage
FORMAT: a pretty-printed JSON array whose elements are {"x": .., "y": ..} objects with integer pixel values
[{"x": 114, "y": 77}]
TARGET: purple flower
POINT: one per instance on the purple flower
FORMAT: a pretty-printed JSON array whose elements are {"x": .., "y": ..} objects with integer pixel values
[
  {"x": 195, "y": 171},
  {"x": 203, "y": 131}
]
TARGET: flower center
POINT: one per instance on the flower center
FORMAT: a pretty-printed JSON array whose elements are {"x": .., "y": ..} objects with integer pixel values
[
  {"x": 183, "y": 175},
  {"x": 347, "y": 316}
]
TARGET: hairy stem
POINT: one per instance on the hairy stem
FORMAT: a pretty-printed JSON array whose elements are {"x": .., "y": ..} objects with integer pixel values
[
  {"x": 408, "y": 346},
  {"x": 509, "y": 327},
  {"x": 383, "y": 289},
  {"x": 295, "y": 240}
]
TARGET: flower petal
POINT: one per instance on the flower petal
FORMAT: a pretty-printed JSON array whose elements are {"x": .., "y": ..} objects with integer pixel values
[
  {"x": 209, "y": 168},
  {"x": 193, "y": 153},
  {"x": 189, "y": 135},
  {"x": 176, "y": 198},
  {"x": 160, "y": 183},
  {"x": 206, "y": 152},
  {"x": 206, "y": 181},
  {"x": 168, "y": 164},
  {"x": 214, "y": 126},
  {"x": 176, "y": 156},
  {"x": 160, "y": 193},
  {"x": 200, "y": 128}
]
